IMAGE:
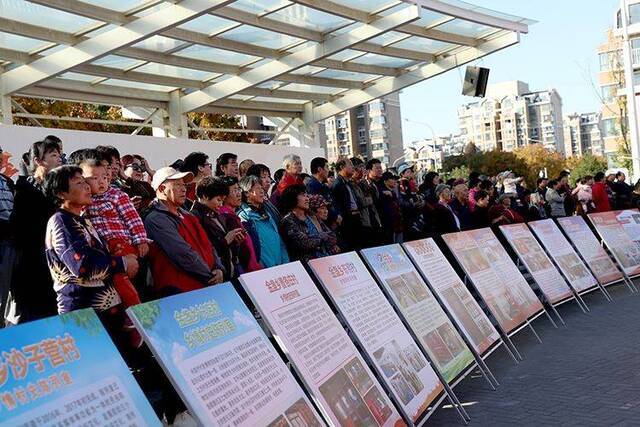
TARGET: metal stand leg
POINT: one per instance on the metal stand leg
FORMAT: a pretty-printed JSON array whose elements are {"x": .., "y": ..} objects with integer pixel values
[
  {"x": 557, "y": 314},
  {"x": 583, "y": 305},
  {"x": 487, "y": 373},
  {"x": 515, "y": 349},
  {"x": 534, "y": 331},
  {"x": 456, "y": 403},
  {"x": 457, "y": 408}
]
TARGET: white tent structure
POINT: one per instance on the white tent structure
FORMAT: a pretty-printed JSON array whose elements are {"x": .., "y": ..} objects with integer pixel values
[{"x": 296, "y": 62}]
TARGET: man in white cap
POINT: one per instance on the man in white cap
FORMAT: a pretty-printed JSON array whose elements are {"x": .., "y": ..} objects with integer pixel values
[{"x": 181, "y": 257}]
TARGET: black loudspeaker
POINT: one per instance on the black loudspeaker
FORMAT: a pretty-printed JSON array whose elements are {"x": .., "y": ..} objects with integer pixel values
[{"x": 475, "y": 81}]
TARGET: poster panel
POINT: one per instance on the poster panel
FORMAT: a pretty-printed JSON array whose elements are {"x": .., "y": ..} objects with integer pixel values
[
  {"x": 455, "y": 296},
  {"x": 564, "y": 255},
  {"x": 495, "y": 276},
  {"x": 589, "y": 247},
  {"x": 65, "y": 370},
  {"x": 220, "y": 361},
  {"x": 620, "y": 230},
  {"x": 380, "y": 331},
  {"x": 328, "y": 362},
  {"x": 421, "y": 310},
  {"x": 537, "y": 262}
]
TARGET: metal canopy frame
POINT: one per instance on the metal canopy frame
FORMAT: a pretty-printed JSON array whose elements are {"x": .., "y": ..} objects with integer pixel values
[{"x": 300, "y": 59}]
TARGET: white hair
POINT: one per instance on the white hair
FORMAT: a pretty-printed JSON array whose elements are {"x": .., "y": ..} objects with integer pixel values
[{"x": 289, "y": 160}]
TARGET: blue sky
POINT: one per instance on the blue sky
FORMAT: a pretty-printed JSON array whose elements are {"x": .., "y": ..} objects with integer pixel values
[{"x": 558, "y": 52}]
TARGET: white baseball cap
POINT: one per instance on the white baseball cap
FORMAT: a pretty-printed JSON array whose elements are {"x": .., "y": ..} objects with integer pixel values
[{"x": 167, "y": 174}]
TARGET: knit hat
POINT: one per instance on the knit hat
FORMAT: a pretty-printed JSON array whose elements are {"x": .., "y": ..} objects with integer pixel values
[{"x": 316, "y": 201}]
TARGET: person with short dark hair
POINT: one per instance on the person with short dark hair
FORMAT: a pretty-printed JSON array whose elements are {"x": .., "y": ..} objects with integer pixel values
[
  {"x": 555, "y": 199},
  {"x": 502, "y": 214},
  {"x": 198, "y": 164},
  {"x": 80, "y": 264},
  {"x": 112, "y": 156},
  {"x": 227, "y": 165},
  {"x": 444, "y": 218},
  {"x": 600, "y": 196},
  {"x": 117, "y": 222},
  {"x": 370, "y": 185},
  {"x": 264, "y": 174},
  {"x": 346, "y": 205},
  {"x": 480, "y": 214},
  {"x": 391, "y": 214},
  {"x": 622, "y": 192},
  {"x": 301, "y": 237},
  {"x": 134, "y": 185},
  {"x": 262, "y": 226},
  {"x": 635, "y": 196},
  {"x": 225, "y": 236},
  {"x": 31, "y": 285}
]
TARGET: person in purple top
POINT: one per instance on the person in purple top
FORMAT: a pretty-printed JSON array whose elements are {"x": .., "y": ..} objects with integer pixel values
[{"x": 79, "y": 261}]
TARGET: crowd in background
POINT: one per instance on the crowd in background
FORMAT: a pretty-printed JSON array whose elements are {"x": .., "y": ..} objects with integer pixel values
[{"x": 101, "y": 230}]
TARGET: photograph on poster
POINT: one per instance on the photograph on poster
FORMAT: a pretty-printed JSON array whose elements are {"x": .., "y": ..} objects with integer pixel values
[
  {"x": 348, "y": 404},
  {"x": 572, "y": 266},
  {"x": 401, "y": 366},
  {"x": 454, "y": 295},
  {"x": 474, "y": 260},
  {"x": 401, "y": 290}
]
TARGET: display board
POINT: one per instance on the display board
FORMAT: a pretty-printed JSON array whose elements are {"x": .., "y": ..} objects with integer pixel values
[
  {"x": 564, "y": 255},
  {"x": 420, "y": 309},
  {"x": 380, "y": 331},
  {"x": 454, "y": 295},
  {"x": 497, "y": 279},
  {"x": 64, "y": 370},
  {"x": 620, "y": 231},
  {"x": 588, "y": 246},
  {"x": 328, "y": 362},
  {"x": 533, "y": 256},
  {"x": 220, "y": 361}
]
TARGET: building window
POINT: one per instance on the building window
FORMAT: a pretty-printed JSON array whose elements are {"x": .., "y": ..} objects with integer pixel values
[
  {"x": 609, "y": 93},
  {"x": 634, "y": 13},
  {"x": 378, "y": 120},
  {"x": 610, "y": 128},
  {"x": 609, "y": 61},
  {"x": 619, "y": 19}
]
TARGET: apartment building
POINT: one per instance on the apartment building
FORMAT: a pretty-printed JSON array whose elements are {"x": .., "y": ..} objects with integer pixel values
[
  {"x": 511, "y": 116},
  {"x": 372, "y": 130},
  {"x": 583, "y": 134}
]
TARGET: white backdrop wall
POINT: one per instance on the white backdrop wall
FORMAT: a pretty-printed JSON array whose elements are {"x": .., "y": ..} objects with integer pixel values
[{"x": 16, "y": 140}]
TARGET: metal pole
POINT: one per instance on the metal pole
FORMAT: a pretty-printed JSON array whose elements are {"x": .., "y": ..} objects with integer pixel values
[
  {"x": 534, "y": 331},
  {"x": 551, "y": 319},
  {"x": 631, "y": 94},
  {"x": 558, "y": 314},
  {"x": 513, "y": 346}
]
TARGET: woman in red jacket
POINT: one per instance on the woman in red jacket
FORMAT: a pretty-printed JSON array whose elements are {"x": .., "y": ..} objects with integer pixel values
[{"x": 600, "y": 196}]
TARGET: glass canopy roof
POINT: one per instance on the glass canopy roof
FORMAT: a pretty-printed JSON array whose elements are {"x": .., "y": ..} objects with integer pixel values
[{"x": 260, "y": 53}]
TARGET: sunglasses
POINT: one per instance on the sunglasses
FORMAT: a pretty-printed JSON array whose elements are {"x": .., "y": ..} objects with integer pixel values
[{"x": 136, "y": 167}]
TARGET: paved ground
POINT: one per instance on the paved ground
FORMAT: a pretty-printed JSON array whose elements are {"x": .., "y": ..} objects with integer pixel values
[{"x": 584, "y": 374}]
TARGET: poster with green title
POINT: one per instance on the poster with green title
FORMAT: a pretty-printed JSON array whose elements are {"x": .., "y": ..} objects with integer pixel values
[
  {"x": 65, "y": 371},
  {"x": 221, "y": 362}
]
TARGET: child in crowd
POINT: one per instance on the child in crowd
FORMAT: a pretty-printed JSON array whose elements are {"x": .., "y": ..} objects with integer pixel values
[{"x": 117, "y": 222}]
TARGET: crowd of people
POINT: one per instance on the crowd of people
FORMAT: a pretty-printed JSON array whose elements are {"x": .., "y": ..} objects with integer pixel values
[{"x": 101, "y": 230}]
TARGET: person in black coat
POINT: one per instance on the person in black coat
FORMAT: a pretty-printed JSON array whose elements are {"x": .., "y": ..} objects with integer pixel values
[
  {"x": 443, "y": 218},
  {"x": 346, "y": 205},
  {"x": 31, "y": 285}
]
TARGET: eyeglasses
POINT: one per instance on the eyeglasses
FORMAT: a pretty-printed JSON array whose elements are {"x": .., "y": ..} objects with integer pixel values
[{"x": 136, "y": 167}]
